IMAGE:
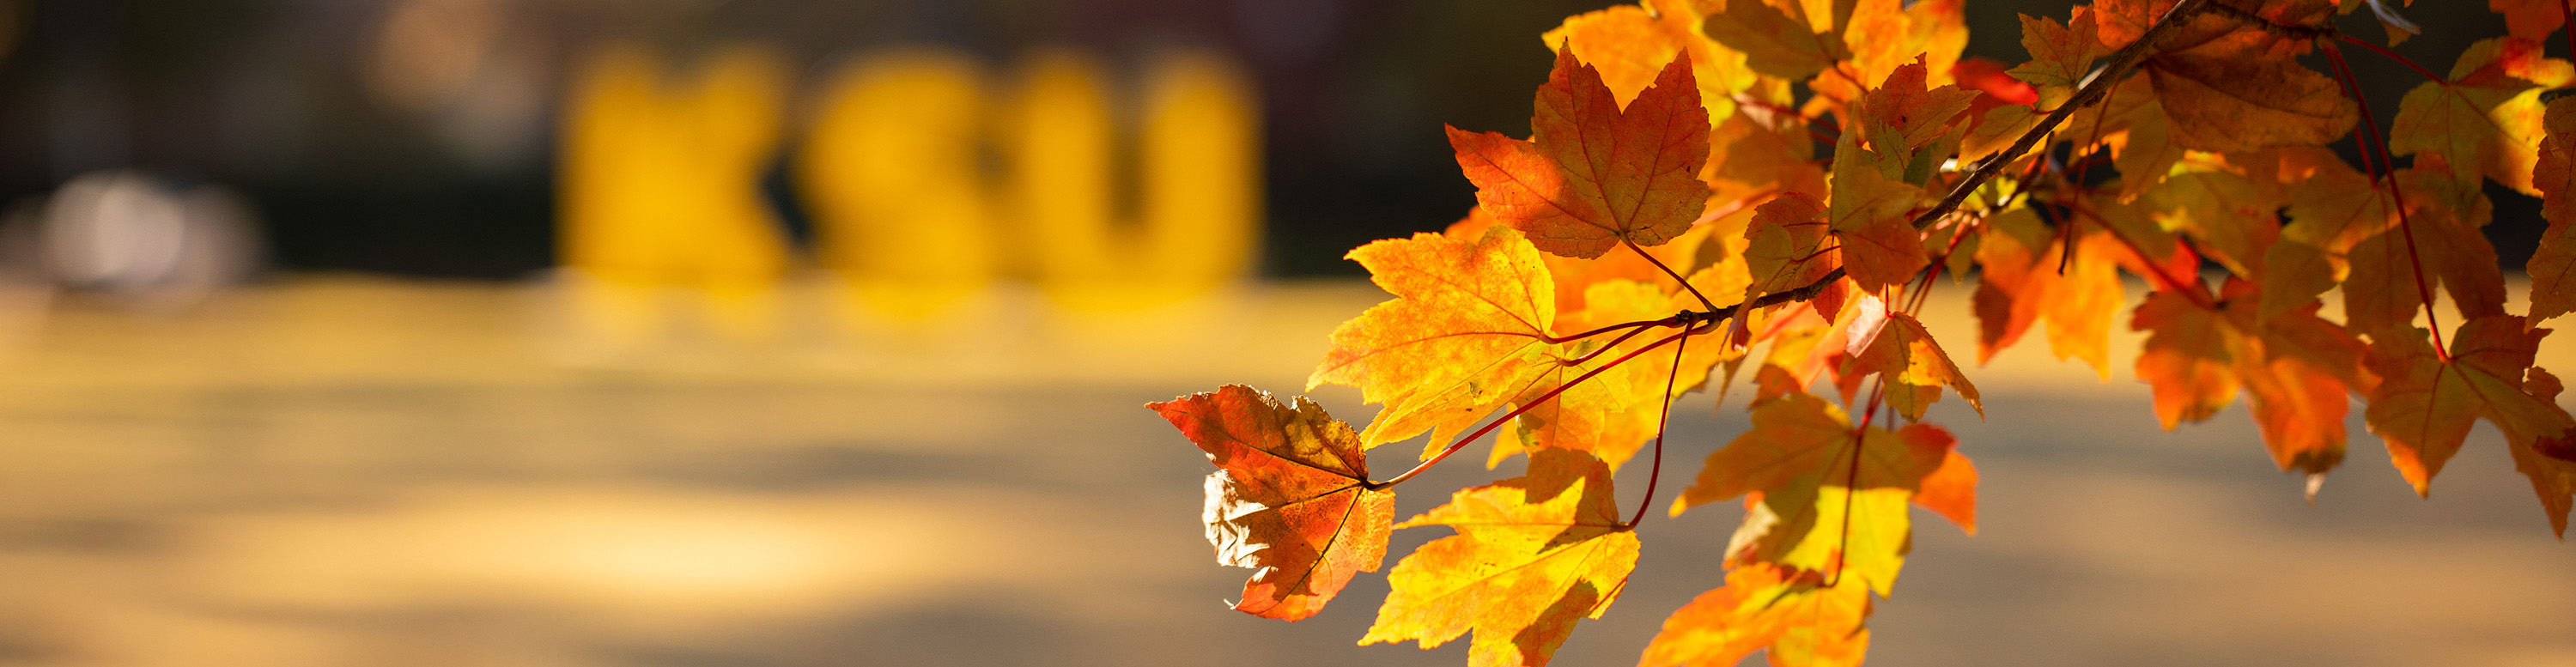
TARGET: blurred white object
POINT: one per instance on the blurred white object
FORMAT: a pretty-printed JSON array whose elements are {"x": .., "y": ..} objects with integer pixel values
[{"x": 129, "y": 233}]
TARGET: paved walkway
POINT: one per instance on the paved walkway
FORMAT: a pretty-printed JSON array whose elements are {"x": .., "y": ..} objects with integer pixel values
[{"x": 338, "y": 472}]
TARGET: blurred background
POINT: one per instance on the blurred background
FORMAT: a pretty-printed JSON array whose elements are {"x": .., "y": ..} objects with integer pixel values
[{"x": 784, "y": 332}]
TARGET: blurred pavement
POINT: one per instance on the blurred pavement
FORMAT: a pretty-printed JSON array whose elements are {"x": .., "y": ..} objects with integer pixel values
[{"x": 335, "y": 471}]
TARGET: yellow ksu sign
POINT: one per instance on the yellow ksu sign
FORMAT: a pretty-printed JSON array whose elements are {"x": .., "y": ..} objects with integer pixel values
[{"x": 928, "y": 178}]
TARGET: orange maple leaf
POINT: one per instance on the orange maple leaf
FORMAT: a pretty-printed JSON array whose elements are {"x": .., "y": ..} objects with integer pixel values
[
  {"x": 2295, "y": 367},
  {"x": 2331, "y": 208},
  {"x": 2230, "y": 211},
  {"x": 1533, "y": 554},
  {"x": 2022, "y": 284},
  {"x": 2217, "y": 84},
  {"x": 2438, "y": 243},
  {"x": 2549, "y": 462},
  {"x": 1466, "y": 330},
  {"x": 2424, "y": 404},
  {"x": 1870, "y": 212},
  {"x": 1574, "y": 276},
  {"x": 1884, "y": 35},
  {"x": 2060, "y": 55},
  {"x": 1614, "y": 412},
  {"x": 1917, "y": 111},
  {"x": 1787, "y": 611},
  {"x": 1593, "y": 174},
  {"x": 1805, "y": 602},
  {"x": 1799, "y": 448},
  {"x": 2553, "y": 265},
  {"x": 2487, "y": 118},
  {"x": 1779, "y": 38},
  {"x": 2530, "y": 19},
  {"x": 1898, "y": 348},
  {"x": 1631, "y": 44},
  {"x": 1290, "y": 497},
  {"x": 1784, "y": 245}
]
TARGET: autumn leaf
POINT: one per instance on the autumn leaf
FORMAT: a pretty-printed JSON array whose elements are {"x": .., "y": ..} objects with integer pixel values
[
  {"x": 1290, "y": 499},
  {"x": 1761, "y": 150},
  {"x": 2425, "y": 403},
  {"x": 2549, "y": 462},
  {"x": 2188, "y": 360},
  {"x": 2225, "y": 100},
  {"x": 2553, "y": 265},
  {"x": 1466, "y": 331},
  {"x": 1993, "y": 87},
  {"x": 1574, "y": 276},
  {"x": 1918, "y": 112},
  {"x": 2217, "y": 85},
  {"x": 1996, "y": 129},
  {"x": 2434, "y": 246},
  {"x": 1798, "y": 456},
  {"x": 1784, "y": 247},
  {"x": 1879, "y": 249},
  {"x": 2232, "y": 217},
  {"x": 2530, "y": 20},
  {"x": 1868, "y": 215},
  {"x": 2299, "y": 378},
  {"x": 2331, "y": 208},
  {"x": 1630, "y": 45},
  {"x": 2060, "y": 55},
  {"x": 2022, "y": 284},
  {"x": 1915, "y": 367},
  {"x": 1616, "y": 410},
  {"x": 1805, "y": 602},
  {"x": 1775, "y": 42},
  {"x": 1884, "y": 35},
  {"x": 1594, "y": 174},
  {"x": 2198, "y": 355},
  {"x": 2487, "y": 118},
  {"x": 1788, "y": 611},
  {"x": 2132, "y": 122},
  {"x": 1532, "y": 555}
]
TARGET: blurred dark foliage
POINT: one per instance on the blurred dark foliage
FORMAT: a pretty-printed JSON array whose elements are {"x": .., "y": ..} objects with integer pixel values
[{"x": 271, "y": 97}]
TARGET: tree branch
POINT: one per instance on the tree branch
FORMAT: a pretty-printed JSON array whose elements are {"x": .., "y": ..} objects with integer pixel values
[
  {"x": 1777, "y": 298},
  {"x": 2093, "y": 91},
  {"x": 2298, "y": 32}
]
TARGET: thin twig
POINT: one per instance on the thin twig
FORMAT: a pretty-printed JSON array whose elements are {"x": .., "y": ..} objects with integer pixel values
[
  {"x": 1655, "y": 474},
  {"x": 1677, "y": 276},
  {"x": 2093, "y": 91},
  {"x": 2397, "y": 195},
  {"x": 1525, "y": 407},
  {"x": 1691, "y": 323},
  {"x": 2297, "y": 32}
]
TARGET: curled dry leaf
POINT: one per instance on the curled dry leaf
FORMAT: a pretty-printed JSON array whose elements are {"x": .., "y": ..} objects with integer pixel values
[{"x": 1290, "y": 497}]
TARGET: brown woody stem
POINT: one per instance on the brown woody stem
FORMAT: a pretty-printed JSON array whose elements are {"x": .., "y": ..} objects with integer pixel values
[
  {"x": 2299, "y": 32},
  {"x": 1689, "y": 322},
  {"x": 2125, "y": 59},
  {"x": 1525, "y": 407}
]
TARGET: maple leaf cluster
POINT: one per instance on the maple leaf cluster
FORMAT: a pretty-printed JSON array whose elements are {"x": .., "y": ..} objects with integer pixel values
[{"x": 1767, "y": 191}]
